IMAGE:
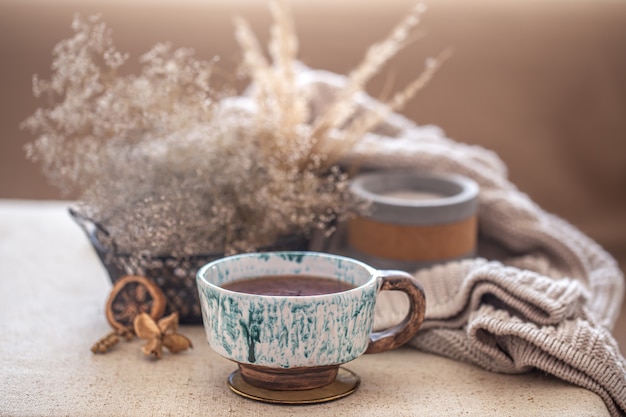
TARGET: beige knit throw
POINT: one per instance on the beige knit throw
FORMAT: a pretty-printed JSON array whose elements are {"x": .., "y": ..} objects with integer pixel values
[{"x": 541, "y": 295}]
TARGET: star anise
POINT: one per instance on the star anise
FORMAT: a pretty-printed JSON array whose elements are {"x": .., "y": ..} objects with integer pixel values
[{"x": 159, "y": 334}]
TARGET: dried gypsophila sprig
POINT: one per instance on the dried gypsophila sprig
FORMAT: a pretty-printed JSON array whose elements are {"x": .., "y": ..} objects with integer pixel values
[{"x": 97, "y": 114}]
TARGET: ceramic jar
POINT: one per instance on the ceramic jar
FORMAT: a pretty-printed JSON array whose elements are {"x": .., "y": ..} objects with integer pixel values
[{"x": 415, "y": 220}]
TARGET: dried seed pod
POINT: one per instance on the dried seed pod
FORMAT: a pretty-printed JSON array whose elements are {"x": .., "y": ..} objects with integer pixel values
[
  {"x": 106, "y": 343},
  {"x": 163, "y": 333},
  {"x": 176, "y": 342},
  {"x": 130, "y": 296}
]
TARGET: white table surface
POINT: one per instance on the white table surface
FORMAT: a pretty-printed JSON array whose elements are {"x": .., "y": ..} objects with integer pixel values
[{"x": 52, "y": 295}]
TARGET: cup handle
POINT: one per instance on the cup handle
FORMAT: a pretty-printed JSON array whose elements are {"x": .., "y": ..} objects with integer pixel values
[{"x": 405, "y": 330}]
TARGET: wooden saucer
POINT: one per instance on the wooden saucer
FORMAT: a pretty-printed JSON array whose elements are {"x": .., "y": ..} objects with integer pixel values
[{"x": 345, "y": 384}]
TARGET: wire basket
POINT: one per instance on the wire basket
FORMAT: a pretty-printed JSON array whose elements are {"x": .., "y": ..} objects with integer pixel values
[{"x": 175, "y": 276}]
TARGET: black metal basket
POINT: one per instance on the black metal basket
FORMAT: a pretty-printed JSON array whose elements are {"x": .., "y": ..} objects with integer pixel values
[{"x": 175, "y": 276}]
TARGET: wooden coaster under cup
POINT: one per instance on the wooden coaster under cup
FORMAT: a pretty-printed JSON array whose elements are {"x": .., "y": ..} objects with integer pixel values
[{"x": 343, "y": 385}]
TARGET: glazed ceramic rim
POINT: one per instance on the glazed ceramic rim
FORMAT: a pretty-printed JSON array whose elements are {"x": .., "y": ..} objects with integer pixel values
[
  {"x": 371, "y": 271},
  {"x": 459, "y": 202}
]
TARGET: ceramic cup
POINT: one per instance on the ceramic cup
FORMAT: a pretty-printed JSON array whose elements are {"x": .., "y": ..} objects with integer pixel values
[{"x": 295, "y": 342}]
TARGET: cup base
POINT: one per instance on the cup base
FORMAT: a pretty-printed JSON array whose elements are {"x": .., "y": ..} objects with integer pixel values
[
  {"x": 345, "y": 383},
  {"x": 289, "y": 379}
]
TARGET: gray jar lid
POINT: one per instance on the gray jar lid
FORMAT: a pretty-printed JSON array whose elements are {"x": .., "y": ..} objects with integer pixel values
[{"x": 456, "y": 197}]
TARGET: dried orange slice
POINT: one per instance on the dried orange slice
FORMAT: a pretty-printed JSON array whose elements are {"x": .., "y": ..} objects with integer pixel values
[{"x": 130, "y": 296}]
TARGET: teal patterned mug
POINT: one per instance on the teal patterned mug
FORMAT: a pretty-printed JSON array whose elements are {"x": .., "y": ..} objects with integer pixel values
[{"x": 289, "y": 319}]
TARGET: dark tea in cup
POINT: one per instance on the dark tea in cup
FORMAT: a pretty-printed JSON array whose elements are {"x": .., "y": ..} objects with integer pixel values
[{"x": 289, "y": 285}]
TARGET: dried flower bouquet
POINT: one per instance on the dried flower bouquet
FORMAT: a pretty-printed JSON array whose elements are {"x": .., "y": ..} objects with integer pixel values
[{"x": 169, "y": 164}]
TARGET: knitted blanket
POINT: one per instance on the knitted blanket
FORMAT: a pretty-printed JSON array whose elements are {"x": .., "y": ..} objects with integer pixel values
[{"x": 540, "y": 295}]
